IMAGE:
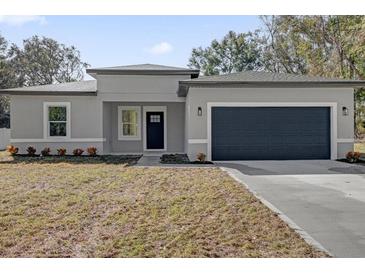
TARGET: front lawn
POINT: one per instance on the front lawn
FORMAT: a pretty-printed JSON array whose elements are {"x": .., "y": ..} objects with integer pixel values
[{"x": 104, "y": 209}]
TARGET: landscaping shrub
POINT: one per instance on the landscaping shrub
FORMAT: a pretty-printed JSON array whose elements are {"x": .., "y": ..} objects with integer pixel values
[
  {"x": 201, "y": 157},
  {"x": 352, "y": 156},
  {"x": 92, "y": 151},
  {"x": 61, "y": 151},
  {"x": 31, "y": 151},
  {"x": 46, "y": 151},
  {"x": 77, "y": 151},
  {"x": 177, "y": 158},
  {"x": 12, "y": 149}
]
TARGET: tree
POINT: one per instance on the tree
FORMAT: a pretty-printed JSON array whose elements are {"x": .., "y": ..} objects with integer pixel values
[
  {"x": 3, "y": 68},
  {"x": 6, "y": 81},
  {"x": 279, "y": 46},
  {"x": 330, "y": 46},
  {"x": 235, "y": 52},
  {"x": 41, "y": 61},
  {"x": 44, "y": 61}
]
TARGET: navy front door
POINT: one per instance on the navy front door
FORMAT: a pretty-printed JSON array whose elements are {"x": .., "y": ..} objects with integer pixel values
[{"x": 155, "y": 130}]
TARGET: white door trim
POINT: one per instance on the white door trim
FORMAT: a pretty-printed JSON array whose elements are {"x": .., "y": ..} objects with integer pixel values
[
  {"x": 151, "y": 109},
  {"x": 333, "y": 122}
]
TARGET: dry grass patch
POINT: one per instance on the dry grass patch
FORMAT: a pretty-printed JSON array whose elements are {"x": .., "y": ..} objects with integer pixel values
[{"x": 106, "y": 210}]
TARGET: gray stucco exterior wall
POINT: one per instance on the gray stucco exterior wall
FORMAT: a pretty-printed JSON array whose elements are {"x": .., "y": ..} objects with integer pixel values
[
  {"x": 27, "y": 122},
  {"x": 94, "y": 118},
  {"x": 197, "y": 129},
  {"x": 27, "y": 116},
  {"x": 107, "y": 127},
  {"x": 137, "y": 88},
  {"x": 175, "y": 127}
]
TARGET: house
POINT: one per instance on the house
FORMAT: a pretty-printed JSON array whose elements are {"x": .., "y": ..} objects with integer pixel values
[{"x": 154, "y": 109}]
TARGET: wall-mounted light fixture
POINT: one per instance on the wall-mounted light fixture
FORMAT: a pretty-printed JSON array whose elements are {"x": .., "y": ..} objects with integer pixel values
[
  {"x": 200, "y": 112},
  {"x": 345, "y": 111}
]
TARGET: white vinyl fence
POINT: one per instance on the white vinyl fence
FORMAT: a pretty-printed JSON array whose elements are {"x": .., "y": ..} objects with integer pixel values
[{"x": 4, "y": 137}]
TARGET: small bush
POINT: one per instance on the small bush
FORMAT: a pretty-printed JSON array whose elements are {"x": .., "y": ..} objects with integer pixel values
[
  {"x": 77, "y": 151},
  {"x": 352, "y": 156},
  {"x": 31, "y": 151},
  {"x": 92, "y": 151},
  {"x": 12, "y": 149},
  {"x": 46, "y": 151},
  {"x": 201, "y": 157},
  {"x": 61, "y": 151}
]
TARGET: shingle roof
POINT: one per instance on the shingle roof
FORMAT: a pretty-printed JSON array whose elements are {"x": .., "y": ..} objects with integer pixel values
[
  {"x": 261, "y": 76},
  {"x": 71, "y": 88},
  {"x": 246, "y": 78},
  {"x": 265, "y": 79},
  {"x": 144, "y": 69}
]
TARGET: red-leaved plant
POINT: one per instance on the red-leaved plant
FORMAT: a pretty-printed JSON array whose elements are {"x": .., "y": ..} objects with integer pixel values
[
  {"x": 353, "y": 156},
  {"x": 31, "y": 151},
  {"x": 61, "y": 151},
  {"x": 46, "y": 151},
  {"x": 12, "y": 149},
  {"x": 92, "y": 151},
  {"x": 77, "y": 151},
  {"x": 201, "y": 157}
]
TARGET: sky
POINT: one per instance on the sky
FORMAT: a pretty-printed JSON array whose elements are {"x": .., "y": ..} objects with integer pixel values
[{"x": 122, "y": 40}]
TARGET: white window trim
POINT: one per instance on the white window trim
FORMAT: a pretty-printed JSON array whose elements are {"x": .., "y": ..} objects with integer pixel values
[
  {"x": 121, "y": 137},
  {"x": 197, "y": 141},
  {"x": 331, "y": 105},
  {"x": 152, "y": 109},
  {"x": 46, "y": 135}
]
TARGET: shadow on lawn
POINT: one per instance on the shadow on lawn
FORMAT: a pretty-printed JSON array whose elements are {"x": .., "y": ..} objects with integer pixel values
[{"x": 128, "y": 160}]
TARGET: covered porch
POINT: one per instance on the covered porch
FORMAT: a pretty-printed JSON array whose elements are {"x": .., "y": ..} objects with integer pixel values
[{"x": 149, "y": 128}]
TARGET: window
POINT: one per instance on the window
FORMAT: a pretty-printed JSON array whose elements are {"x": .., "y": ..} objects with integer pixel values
[
  {"x": 155, "y": 118},
  {"x": 57, "y": 120},
  {"x": 129, "y": 127}
]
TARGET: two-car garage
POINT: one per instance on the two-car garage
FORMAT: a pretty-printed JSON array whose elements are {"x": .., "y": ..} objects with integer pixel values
[
  {"x": 256, "y": 115},
  {"x": 270, "y": 133}
]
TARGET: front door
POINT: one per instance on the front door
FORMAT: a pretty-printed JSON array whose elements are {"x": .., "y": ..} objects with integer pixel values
[{"x": 155, "y": 130}]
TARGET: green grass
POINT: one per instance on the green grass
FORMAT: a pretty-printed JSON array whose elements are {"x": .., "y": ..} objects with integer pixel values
[{"x": 67, "y": 209}]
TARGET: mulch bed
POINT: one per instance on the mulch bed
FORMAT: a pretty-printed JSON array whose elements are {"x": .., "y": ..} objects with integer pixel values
[
  {"x": 359, "y": 162},
  {"x": 82, "y": 159},
  {"x": 178, "y": 158}
]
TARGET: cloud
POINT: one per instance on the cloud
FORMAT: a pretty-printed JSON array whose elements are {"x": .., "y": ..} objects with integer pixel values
[
  {"x": 161, "y": 48},
  {"x": 19, "y": 20}
]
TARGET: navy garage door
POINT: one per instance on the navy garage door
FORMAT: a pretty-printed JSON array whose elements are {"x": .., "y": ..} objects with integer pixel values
[{"x": 270, "y": 133}]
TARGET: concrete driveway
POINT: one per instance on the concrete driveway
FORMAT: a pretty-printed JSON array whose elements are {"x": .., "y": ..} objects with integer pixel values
[{"x": 325, "y": 198}]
